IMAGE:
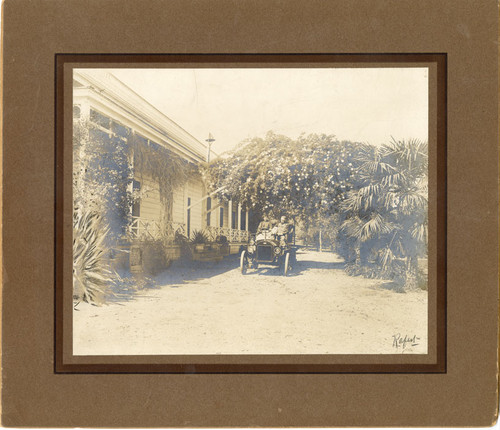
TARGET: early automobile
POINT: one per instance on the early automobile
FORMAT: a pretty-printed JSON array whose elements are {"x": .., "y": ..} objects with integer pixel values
[{"x": 269, "y": 248}]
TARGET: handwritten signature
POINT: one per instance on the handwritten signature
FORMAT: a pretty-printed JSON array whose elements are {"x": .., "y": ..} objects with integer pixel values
[{"x": 399, "y": 341}]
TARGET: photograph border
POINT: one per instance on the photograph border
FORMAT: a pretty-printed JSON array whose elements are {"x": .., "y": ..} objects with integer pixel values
[{"x": 231, "y": 366}]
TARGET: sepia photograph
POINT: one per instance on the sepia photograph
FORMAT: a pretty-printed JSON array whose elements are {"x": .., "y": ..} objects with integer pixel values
[
  {"x": 250, "y": 210},
  {"x": 250, "y": 214}
]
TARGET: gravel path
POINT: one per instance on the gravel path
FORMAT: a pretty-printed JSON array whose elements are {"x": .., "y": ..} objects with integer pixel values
[{"x": 213, "y": 309}]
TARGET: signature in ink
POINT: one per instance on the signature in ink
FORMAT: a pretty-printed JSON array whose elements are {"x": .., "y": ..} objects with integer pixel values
[{"x": 399, "y": 341}]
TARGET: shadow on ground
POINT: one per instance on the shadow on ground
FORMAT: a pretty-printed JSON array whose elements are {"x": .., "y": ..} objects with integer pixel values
[
  {"x": 182, "y": 271},
  {"x": 130, "y": 286},
  {"x": 300, "y": 268}
]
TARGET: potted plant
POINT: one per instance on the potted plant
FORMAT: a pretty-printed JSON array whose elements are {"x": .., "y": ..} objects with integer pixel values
[
  {"x": 174, "y": 246},
  {"x": 199, "y": 240},
  {"x": 215, "y": 245}
]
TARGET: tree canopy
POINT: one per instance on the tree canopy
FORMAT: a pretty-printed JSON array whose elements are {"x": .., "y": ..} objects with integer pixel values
[{"x": 276, "y": 175}]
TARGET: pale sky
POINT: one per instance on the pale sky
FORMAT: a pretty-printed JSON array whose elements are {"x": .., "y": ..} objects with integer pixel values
[{"x": 361, "y": 104}]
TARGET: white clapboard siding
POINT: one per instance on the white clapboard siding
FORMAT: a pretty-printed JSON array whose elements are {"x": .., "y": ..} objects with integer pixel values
[
  {"x": 214, "y": 215},
  {"x": 151, "y": 208},
  {"x": 179, "y": 205}
]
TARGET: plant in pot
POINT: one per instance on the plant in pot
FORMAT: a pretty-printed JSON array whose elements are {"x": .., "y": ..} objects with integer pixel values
[
  {"x": 215, "y": 245},
  {"x": 199, "y": 240}
]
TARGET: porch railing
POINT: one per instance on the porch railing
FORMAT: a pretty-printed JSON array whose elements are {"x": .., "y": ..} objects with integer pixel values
[
  {"x": 173, "y": 228},
  {"x": 232, "y": 234},
  {"x": 146, "y": 229},
  {"x": 143, "y": 229}
]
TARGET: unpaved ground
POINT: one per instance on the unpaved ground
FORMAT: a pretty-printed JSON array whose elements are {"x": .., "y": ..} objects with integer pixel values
[{"x": 213, "y": 309}]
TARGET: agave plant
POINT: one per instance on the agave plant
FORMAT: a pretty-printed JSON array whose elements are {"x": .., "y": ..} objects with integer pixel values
[
  {"x": 199, "y": 237},
  {"x": 91, "y": 277}
]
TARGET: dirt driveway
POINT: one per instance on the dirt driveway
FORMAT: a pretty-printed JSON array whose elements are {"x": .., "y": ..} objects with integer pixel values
[{"x": 213, "y": 309}]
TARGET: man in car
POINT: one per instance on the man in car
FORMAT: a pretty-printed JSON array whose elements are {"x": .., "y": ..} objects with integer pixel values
[{"x": 284, "y": 229}]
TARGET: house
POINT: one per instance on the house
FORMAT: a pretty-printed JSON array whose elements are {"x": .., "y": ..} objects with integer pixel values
[{"x": 119, "y": 116}]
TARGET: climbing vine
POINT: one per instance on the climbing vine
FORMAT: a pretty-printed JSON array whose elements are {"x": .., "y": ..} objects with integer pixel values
[
  {"x": 105, "y": 164},
  {"x": 163, "y": 166}
]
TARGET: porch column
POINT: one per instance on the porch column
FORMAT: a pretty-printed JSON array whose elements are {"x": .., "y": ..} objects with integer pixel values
[
  {"x": 230, "y": 219},
  {"x": 184, "y": 198},
  {"x": 239, "y": 216},
  {"x": 246, "y": 220},
  {"x": 217, "y": 212}
]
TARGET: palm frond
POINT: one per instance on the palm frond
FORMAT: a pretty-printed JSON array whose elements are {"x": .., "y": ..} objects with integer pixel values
[
  {"x": 352, "y": 227},
  {"x": 419, "y": 232},
  {"x": 397, "y": 179},
  {"x": 375, "y": 226},
  {"x": 412, "y": 201}
]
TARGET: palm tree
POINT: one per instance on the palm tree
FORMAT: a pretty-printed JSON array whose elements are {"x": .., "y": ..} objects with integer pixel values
[{"x": 390, "y": 205}]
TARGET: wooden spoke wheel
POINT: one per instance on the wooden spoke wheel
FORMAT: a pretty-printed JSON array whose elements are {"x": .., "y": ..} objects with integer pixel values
[
  {"x": 243, "y": 263},
  {"x": 286, "y": 266}
]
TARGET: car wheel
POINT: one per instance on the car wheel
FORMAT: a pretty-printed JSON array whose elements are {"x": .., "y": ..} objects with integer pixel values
[
  {"x": 243, "y": 263},
  {"x": 287, "y": 267}
]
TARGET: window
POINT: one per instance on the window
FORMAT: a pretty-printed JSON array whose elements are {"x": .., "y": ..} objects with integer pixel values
[
  {"x": 233, "y": 221},
  {"x": 209, "y": 206},
  {"x": 221, "y": 217},
  {"x": 76, "y": 111},
  {"x": 136, "y": 206},
  {"x": 189, "y": 218}
]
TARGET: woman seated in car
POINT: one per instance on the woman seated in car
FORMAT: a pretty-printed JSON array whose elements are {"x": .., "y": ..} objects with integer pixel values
[{"x": 264, "y": 230}]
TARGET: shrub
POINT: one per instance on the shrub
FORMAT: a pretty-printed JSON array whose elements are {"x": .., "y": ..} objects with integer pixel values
[
  {"x": 221, "y": 239},
  {"x": 180, "y": 239},
  {"x": 395, "y": 271}
]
